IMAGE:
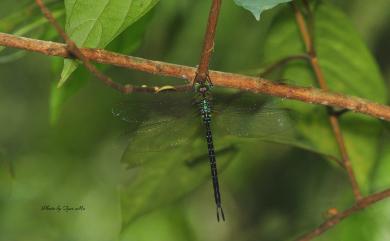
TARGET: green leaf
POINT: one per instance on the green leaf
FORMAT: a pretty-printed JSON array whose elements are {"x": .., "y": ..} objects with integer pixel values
[
  {"x": 258, "y": 6},
  {"x": 348, "y": 67},
  {"x": 381, "y": 177},
  {"x": 94, "y": 24},
  {"x": 368, "y": 224},
  {"x": 127, "y": 42},
  {"x": 58, "y": 96}
]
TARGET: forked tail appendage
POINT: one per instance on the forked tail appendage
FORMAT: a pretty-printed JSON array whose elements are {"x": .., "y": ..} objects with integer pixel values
[{"x": 219, "y": 208}]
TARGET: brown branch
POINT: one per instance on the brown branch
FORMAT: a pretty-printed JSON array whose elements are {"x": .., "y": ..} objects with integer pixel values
[
  {"x": 361, "y": 204},
  {"x": 72, "y": 48},
  {"x": 333, "y": 118},
  {"x": 247, "y": 83},
  {"x": 208, "y": 44}
]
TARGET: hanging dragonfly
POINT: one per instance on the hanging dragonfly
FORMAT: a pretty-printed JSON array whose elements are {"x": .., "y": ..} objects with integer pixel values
[
  {"x": 168, "y": 113},
  {"x": 203, "y": 97}
]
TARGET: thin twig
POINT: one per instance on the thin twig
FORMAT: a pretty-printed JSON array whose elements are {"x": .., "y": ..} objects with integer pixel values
[
  {"x": 280, "y": 63},
  {"x": 361, "y": 204},
  {"x": 208, "y": 44},
  {"x": 74, "y": 50},
  {"x": 334, "y": 121},
  {"x": 222, "y": 79}
]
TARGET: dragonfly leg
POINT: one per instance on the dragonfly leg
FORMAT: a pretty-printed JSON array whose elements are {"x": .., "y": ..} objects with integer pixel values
[
  {"x": 202, "y": 78},
  {"x": 196, "y": 80},
  {"x": 208, "y": 79}
]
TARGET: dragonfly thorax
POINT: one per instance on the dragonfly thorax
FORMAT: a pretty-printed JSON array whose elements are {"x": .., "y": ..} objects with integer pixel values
[{"x": 202, "y": 90}]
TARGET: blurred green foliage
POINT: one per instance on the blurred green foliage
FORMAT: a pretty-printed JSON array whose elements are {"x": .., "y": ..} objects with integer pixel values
[
  {"x": 348, "y": 68},
  {"x": 270, "y": 191}
]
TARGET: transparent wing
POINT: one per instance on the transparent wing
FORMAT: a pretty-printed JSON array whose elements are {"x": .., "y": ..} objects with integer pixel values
[
  {"x": 164, "y": 121},
  {"x": 158, "y": 122},
  {"x": 267, "y": 123},
  {"x": 149, "y": 108},
  {"x": 249, "y": 116}
]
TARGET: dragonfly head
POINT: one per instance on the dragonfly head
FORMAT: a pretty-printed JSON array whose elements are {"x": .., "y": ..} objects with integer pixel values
[{"x": 202, "y": 87}]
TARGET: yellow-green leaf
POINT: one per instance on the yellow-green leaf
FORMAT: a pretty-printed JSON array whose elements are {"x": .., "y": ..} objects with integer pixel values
[{"x": 94, "y": 24}]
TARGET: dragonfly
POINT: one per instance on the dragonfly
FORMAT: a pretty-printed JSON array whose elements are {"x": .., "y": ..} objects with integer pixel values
[
  {"x": 203, "y": 98},
  {"x": 237, "y": 114}
]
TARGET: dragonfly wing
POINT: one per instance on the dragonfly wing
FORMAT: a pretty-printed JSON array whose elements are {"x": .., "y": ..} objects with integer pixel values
[
  {"x": 150, "y": 141},
  {"x": 162, "y": 134},
  {"x": 138, "y": 108},
  {"x": 264, "y": 122},
  {"x": 156, "y": 123}
]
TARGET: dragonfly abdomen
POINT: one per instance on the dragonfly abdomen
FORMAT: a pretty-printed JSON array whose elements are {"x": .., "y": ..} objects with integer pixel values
[{"x": 206, "y": 117}]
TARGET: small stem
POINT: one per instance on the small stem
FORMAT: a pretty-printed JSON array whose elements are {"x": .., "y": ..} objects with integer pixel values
[
  {"x": 360, "y": 205},
  {"x": 334, "y": 121},
  {"x": 344, "y": 154},
  {"x": 280, "y": 63}
]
